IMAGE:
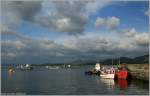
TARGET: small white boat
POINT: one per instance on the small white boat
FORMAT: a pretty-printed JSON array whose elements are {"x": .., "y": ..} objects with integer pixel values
[
  {"x": 50, "y": 67},
  {"x": 47, "y": 67},
  {"x": 108, "y": 73},
  {"x": 24, "y": 67}
]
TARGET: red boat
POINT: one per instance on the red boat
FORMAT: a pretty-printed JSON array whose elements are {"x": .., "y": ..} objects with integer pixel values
[{"x": 122, "y": 74}]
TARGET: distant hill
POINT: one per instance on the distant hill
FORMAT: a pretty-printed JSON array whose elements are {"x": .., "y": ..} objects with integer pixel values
[
  {"x": 141, "y": 59},
  {"x": 136, "y": 60}
]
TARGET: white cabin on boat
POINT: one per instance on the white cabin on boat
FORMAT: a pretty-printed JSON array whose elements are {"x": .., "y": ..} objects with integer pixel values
[
  {"x": 69, "y": 66},
  {"x": 97, "y": 66},
  {"x": 27, "y": 65}
]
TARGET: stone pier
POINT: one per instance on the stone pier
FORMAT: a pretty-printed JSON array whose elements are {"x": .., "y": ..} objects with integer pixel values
[{"x": 138, "y": 71}]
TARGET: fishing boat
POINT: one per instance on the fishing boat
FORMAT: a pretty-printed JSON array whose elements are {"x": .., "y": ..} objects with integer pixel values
[
  {"x": 108, "y": 73},
  {"x": 95, "y": 70},
  {"x": 122, "y": 72},
  {"x": 25, "y": 67},
  {"x": 50, "y": 67},
  {"x": 11, "y": 70}
]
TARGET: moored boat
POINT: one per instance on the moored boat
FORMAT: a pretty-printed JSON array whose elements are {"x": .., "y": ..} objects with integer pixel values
[
  {"x": 96, "y": 70},
  {"x": 25, "y": 67},
  {"x": 52, "y": 67},
  {"x": 11, "y": 70},
  {"x": 122, "y": 74},
  {"x": 108, "y": 73}
]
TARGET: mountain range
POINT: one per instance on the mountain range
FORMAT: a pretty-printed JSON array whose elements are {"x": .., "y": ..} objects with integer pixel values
[{"x": 136, "y": 60}]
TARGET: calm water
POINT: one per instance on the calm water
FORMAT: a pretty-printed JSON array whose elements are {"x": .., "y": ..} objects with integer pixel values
[{"x": 67, "y": 81}]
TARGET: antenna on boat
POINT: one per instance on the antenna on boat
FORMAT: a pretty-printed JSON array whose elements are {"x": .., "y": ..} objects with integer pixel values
[{"x": 119, "y": 61}]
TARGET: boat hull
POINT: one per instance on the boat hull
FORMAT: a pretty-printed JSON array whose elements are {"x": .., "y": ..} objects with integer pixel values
[
  {"x": 107, "y": 76},
  {"x": 122, "y": 74}
]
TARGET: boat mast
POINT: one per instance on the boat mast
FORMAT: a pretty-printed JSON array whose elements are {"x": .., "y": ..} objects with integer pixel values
[
  {"x": 112, "y": 61},
  {"x": 119, "y": 61}
]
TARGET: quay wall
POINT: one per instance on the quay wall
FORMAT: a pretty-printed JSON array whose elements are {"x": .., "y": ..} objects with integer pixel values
[{"x": 138, "y": 71}]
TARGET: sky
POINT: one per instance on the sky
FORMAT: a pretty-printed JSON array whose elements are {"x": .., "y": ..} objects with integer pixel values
[{"x": 65, "y": 31}]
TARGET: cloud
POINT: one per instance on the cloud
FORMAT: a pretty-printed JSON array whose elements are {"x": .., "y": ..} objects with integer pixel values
[
  {"x": 88, "y": 47},
  {"x": 94, "y": 5},
  {"x": 36, "y": 51},
  {"x": 51, "y": 14},
  {"x": 113, "y": 22},
  {"x": 5, "y": 31},
  {"x": 140, "y": 38},
  {"x": 64, "y": 16},
  {"x": 110, "y": 22},
  {"x": 21, "y": 8},
  {"x": 147, "y": 13},
  {"x": 76, "y": 14},
  {"x": 99, "y": 45},
  {"x": 14, "y": 13},
  {"x": 99, "y": 22},
  {"x": 130, "y": 32}
]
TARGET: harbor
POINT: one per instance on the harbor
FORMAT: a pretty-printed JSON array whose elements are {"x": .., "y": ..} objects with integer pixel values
[
  {"x": 67, "y": 81},
  {"x": 99, "y": 78}
]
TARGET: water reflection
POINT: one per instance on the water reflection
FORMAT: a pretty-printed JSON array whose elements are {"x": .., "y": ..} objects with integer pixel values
[
  {"x": 122, "y": 84},
  {"x": 11, "y": 73},
  {"x": 111, "y": 83}
]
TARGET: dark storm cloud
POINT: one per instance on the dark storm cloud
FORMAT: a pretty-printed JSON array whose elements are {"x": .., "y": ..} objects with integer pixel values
[
  {"x": 22, "y": 9},
  {"x": 61, "y": 16},
  {"x": 35, "y": 51},
  {"x": 81, "y": 48}
]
